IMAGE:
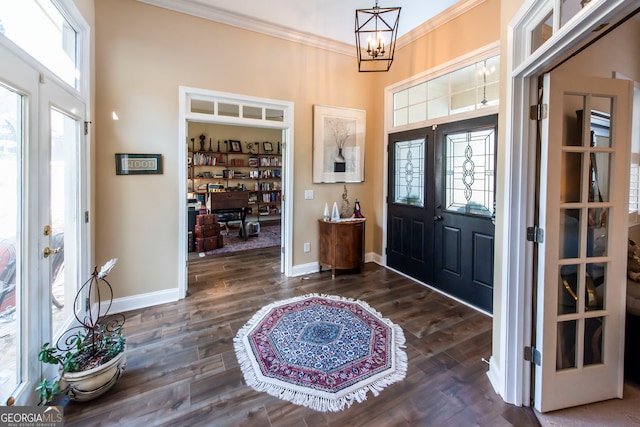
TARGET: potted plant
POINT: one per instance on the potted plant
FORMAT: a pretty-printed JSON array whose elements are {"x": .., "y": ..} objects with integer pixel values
[{"x": 91, "y": 355}]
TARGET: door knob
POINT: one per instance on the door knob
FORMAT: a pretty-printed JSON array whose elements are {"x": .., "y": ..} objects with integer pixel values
[
  {"x": 48, "y": 251},
  {"x": 437, "y": 218}
]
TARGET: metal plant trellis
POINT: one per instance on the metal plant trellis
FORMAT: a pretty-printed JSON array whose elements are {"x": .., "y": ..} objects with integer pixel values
[{"x": 97, "y": 327}]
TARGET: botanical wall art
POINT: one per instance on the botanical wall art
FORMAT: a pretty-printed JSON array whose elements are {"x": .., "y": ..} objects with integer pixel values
[{"x": 338, "y": 144}]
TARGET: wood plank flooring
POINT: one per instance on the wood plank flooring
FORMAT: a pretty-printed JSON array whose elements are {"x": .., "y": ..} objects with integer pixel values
[{"x": 182, "y": 370}]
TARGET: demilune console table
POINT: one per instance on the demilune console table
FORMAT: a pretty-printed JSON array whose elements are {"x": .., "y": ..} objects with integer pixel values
[{"x": 341, "y": 245}]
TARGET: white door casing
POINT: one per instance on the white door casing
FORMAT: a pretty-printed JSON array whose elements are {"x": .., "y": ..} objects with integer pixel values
[{"x": 582, "y": 259}]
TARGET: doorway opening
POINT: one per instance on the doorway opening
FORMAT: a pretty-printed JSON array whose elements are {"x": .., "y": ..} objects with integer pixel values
[
  {"x": 511, "y": 375},
  {"x": 246, "y": 161},
  {"x": 269, "y": 117}
]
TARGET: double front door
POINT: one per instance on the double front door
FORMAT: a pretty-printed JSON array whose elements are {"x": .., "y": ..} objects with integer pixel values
[{"x": 440, "y": 207}]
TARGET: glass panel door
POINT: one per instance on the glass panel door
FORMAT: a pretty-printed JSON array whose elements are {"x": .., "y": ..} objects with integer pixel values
[
  {"x": 582, "y": 266},
  {"x": 11, "y": 130},
  {"x": 63, "y": 180}
]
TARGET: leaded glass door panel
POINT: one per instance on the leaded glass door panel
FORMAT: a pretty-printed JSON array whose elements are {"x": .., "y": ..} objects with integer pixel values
[
  {"x": 464, "y": 208},
  {"x": 410, "y": 205}
]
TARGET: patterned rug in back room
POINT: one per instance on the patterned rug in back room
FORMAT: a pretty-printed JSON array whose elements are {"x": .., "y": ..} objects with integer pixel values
[
  {"x": 324, "y": 352},
  {"x": 269, "y": 236}
]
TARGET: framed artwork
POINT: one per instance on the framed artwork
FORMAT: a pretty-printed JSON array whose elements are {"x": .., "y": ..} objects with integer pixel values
[
  {"x": 138, "y": 164},
  {"x": 267, "y": 147},
  {"x": 235, "y": 146},
  {"x": 338, "y": 144}
]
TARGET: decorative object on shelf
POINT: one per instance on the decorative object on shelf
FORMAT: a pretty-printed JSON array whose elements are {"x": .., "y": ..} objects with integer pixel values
[
  {"x": 193, "y": 145},
  {"x": 338, "y": 144},
  {"x": 267, "y": 147},
  {"x": 210, "y": 148},
  {"x": 138, "y": 164},
  {"x": 218, "y": 146},
  {"x": 202, "y": 138},
  {"x": 374, "y": 27},
  {"x": 90, "y": 357},
  {"x": 252, "y": 147},
  {"x": 335, "y": 215},
  {"x": 345, "y": 208},
  {"x": 278, "y": 152},
  {"x": 357, "y": 213},
  {"x": 337, "y": 360},
  {"x": 325, "y": 214}
]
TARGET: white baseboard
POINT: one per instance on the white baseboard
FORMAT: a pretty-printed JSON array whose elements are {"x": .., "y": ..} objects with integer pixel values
[
  {"x": 312, "y": 267},
  {"x": 494, "y": 376},
  {"x": 120, "y": 305},
  {"x": 373, "y": 257},
  {"x": 302, "y": 269}
]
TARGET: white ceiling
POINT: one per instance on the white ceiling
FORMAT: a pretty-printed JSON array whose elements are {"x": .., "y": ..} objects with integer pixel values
[{"x": 300, "y": 19}]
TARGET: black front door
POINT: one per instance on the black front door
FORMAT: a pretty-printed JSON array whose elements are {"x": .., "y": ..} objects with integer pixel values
[
  {"x": 410, "y": 204},
  {"x": 465, "y": 204},
  {"x": 440, "y": 208}
]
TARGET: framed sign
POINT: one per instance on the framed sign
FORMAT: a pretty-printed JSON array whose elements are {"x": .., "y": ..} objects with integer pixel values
[
  {"x": 338, "y": 144},
  {"x": 138, "y": 164}
]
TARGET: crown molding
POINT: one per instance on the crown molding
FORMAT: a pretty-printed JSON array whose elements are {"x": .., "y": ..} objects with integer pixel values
[
  {"x": 222, "y": 16},
  {"x": 212, "y": 13},
  {"x": 440, "y": 19}
]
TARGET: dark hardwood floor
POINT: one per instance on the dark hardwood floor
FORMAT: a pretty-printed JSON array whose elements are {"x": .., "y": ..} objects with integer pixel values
[{"x": 182, "y": 370}]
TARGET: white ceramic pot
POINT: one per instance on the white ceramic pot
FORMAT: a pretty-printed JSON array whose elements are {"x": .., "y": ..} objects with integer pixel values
[{"x": 87, "y": 385}]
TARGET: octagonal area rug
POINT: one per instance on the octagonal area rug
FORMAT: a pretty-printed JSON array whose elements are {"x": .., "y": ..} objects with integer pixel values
[{"x": 324, "y": 352}]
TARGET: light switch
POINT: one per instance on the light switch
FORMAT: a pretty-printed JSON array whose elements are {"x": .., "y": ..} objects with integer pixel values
[{"x": 308, "y": 194}]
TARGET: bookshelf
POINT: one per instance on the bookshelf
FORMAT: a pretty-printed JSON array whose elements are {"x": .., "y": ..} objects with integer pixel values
[{"x": 251, "y": 168}]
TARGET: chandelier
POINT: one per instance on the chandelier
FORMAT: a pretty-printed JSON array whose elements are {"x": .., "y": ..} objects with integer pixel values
[{"x": 376, "y": 33}]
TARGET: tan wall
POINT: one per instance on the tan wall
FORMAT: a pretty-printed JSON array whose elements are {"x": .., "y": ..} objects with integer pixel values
[{"x": 143, "y": 53}]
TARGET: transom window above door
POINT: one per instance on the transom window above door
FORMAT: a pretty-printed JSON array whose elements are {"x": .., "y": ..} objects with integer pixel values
[
  {"x": 41, "y": 30},
  {"x": 470, "y": 88}
]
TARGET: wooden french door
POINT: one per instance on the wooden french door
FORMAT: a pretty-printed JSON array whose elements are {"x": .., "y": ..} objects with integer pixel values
[
  {"x": 440, "y": 207},
  {"x": 410, "y": 204},
  {"x": 583, "y": 205},
  {"x": 465, "y": 205}
]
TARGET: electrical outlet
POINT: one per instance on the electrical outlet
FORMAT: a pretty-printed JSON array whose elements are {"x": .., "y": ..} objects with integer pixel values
[
  {"x": 307, "y": 247},
  {"x": 308, "y": 194}
]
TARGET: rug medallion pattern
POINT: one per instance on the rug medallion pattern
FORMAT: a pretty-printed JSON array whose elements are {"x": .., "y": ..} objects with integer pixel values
[{"x": 322, "y": 352}]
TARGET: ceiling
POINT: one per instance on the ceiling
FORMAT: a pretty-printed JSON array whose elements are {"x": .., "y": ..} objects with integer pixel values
[{"x": 308, "y": 20}]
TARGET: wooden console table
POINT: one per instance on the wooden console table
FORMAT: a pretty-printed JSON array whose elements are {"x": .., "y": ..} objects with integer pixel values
[{"x": 341, "y": 245}]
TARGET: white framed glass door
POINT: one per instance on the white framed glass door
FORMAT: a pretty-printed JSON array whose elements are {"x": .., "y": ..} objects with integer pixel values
[
  {"x": 582, "y": 264},
  {"x": 44, "y": 195},
  {"x": 63, "y": 116}
]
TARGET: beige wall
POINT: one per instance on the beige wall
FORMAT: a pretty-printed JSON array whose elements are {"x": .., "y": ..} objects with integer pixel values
[{"x": 143, "y": 53}]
